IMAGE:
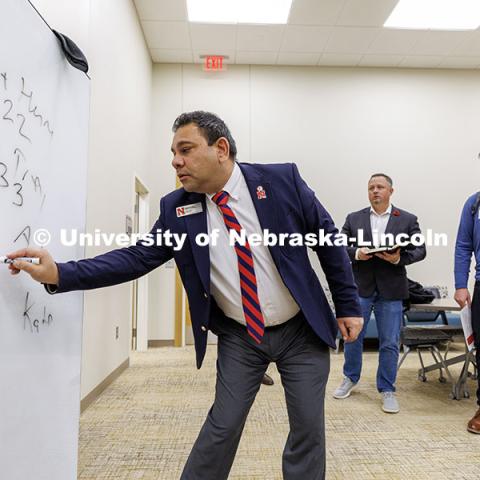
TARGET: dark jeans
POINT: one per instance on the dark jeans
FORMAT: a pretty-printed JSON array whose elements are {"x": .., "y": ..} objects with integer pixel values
[
  {"x": 476, "y": 329},
  {"x": 303, "y": 361}
]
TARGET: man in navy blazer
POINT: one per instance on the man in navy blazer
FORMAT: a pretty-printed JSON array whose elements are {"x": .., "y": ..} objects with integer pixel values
[
  {"x": 382, "y": 283},
  {"x": 265, "y": 303}
]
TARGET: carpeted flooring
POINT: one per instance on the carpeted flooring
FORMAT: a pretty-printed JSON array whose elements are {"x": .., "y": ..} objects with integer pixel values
[{"x": 144, "y": 424}]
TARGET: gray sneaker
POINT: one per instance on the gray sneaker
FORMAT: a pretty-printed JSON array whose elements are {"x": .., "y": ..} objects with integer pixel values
[
  {"x": 345, "y": 389},
  {"x": 390, "y": 403}
]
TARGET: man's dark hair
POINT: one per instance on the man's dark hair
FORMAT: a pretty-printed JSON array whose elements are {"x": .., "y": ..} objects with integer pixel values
[
  {"x": 211, "y": 126},
  {"x": 386, "y": 177}
]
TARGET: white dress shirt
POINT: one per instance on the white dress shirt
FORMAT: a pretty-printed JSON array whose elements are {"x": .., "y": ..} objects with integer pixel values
[
  {"x": 276, "y": 302},
  {"x": 378, "y": 223}
]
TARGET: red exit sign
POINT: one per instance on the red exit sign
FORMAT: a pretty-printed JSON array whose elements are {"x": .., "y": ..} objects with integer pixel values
[{"x": 213, "y": 63}]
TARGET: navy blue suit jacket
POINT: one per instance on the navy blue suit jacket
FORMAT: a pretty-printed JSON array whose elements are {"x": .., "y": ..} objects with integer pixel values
[
  {"x": 389, "y": 280},
  {"x": 290, "y": 206}
]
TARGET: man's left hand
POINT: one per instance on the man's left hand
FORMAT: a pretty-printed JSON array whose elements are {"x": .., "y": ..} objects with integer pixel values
[
  {"x": 350, "y": 327},
  {"x": 389, "y": 257}
]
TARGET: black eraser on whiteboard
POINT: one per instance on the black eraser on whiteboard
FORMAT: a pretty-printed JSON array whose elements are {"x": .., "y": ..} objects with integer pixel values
[{"x": 73, "y": 54}]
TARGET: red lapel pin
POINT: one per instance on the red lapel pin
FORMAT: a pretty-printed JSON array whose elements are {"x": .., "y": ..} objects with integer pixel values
[{"x": 261, "y": 194}]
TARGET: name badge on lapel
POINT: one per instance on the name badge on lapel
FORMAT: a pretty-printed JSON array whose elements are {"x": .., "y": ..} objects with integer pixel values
[{"x": 185, "y": 210}]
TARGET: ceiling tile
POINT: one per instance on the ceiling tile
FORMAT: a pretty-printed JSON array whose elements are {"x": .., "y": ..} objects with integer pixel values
[
  {"x": 256, "y": 58},
  {"x": 261, "y": 38},
  {"x": 420, "y": 61},
  {"x": 315, "y": 12},
  {"x": 469, "y": 46},
  {"x": 165, "y": 10},
  {"x": 395, "y": 42},
  {"x": 167, "y": 35},
  {"x": 351, "y": 39},
  {"x": 171, "y": 56},
  {"x": 380, "y": 60},
  {"x": 439, "y": 43},
  {"x": 286, "y": 58},
  {"x": 211, "y": 37},
  {"x": 322, "y": 32},
  {"x": 367, "y": 13},
  {"x": 460, "y": 62},
  {"x": 305, "y": 38},
  {"x": 340, "y": 60},
  {"x": 228, "y": 54}
]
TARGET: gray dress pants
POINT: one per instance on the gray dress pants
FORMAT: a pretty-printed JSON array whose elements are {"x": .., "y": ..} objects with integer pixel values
[{"x": 303, "y": 361}]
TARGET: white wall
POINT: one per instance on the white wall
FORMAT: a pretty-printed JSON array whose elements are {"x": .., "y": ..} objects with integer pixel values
[
  {"x": 109, "y": 33},
  {"x": 166, "y": 105},
  {"x": 120, "y": 126},
  {"x": 340, "y": 125}
]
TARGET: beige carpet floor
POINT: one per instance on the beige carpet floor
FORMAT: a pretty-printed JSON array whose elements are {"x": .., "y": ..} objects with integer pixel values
[{"x": 144, "y": 424}]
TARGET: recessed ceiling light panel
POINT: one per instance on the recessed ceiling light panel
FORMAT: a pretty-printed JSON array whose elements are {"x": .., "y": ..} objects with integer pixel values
[
  {"x": 435, "y": 15},
  {"x": 239, "y": 11}
]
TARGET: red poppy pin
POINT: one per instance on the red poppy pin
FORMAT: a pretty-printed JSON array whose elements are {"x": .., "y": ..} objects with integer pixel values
[{"x": 396, "y": 213}]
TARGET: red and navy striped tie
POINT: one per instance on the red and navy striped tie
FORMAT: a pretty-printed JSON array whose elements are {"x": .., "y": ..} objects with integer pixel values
[{"x": 248, "y": 280}]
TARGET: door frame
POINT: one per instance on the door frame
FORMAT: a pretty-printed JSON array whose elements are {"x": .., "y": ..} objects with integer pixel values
[{"x": 139, "y": 317}]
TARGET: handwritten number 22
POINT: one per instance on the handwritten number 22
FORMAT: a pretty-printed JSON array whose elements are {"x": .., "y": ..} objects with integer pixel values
[{"x": 19, "y": 115}]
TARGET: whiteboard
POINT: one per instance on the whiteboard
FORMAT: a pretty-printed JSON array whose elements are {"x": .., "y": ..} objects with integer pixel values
[{"x": 44, "y": 106}]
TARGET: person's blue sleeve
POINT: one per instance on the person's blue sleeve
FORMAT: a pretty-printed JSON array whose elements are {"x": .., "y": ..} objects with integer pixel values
[{"x": 464, "y": 245}]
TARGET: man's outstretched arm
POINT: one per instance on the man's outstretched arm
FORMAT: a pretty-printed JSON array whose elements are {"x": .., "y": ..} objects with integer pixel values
[{"x": 112, "y": 268}]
